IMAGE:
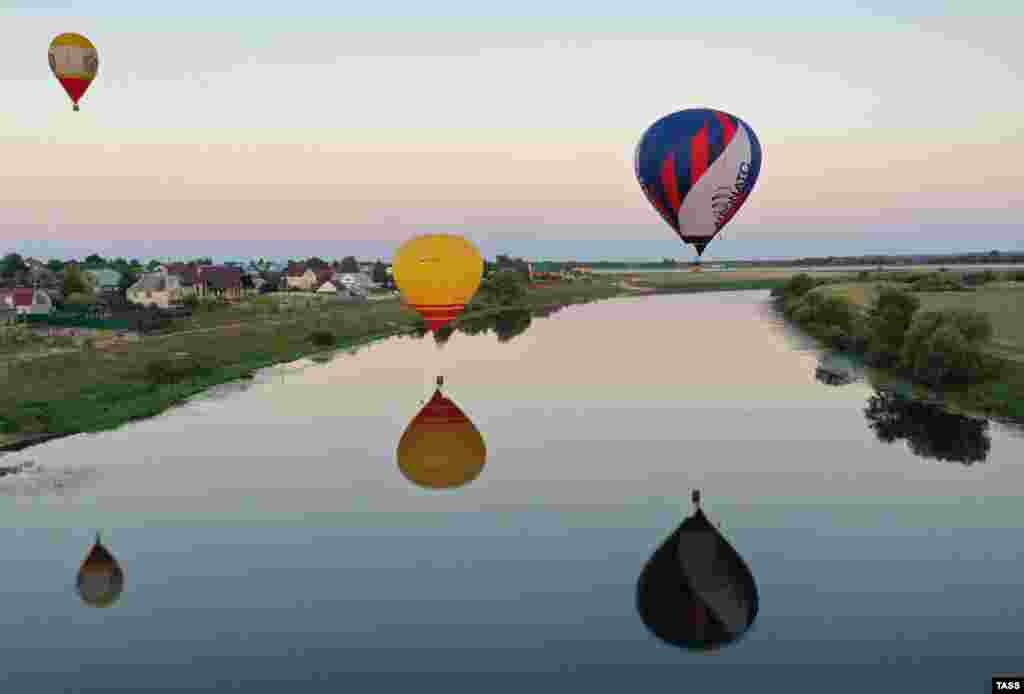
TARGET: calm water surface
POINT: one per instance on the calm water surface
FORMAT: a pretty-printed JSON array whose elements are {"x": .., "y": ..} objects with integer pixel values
[{"x": 267, "y": 536}]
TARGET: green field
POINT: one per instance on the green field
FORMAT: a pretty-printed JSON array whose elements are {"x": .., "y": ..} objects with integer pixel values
[{"x": 1002, "y": 302}]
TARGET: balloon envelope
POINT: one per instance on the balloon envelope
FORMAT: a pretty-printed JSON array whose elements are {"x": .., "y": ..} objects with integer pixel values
[
  {"x": 441, "y": 448},
  {"x": 100, "y": 579},
  {"x": 696, "y": 592},
  {"x": 437, "y": 275},
  {"x": 74, "y": 62},
  {"x": 697, "y": 168}
]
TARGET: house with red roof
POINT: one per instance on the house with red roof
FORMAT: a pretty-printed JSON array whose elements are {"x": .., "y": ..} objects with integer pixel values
[
  {"x": 26, "y": 301},
  {"x": 220, "y": 281}
]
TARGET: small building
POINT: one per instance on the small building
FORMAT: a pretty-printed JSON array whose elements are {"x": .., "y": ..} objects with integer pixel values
[
  {"x": 220, "y": 281},
  {"x": 105, "y": 279},
  {"x": 187, "y": 274},
  {"x": 155, "y": 289},
  {"x": 299, "y": 276},
  {"x": 26, "y": 301}
]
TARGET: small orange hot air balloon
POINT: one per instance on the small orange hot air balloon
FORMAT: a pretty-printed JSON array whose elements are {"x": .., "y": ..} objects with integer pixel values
[
  {"x": 438, "y": 274},
  {"x": 100, "y": 580},
  {"x": 441, "y": 449},
  {"x": 74, "y": 62}
]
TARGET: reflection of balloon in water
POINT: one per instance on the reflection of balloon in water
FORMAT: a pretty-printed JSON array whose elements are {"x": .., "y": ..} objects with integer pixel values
[
  {"x": 437, "y": 275},
  {"x": 100, "y": 580},
  {"x": 74, "y": 62},
  {"x": 696, "y": 592},
  {"x": 441, "y": 449},
  {"x": 697, "y": 168}
]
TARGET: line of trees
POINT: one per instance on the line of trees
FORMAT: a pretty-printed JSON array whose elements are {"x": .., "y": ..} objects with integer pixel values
[{"x": 937, "y": 348}]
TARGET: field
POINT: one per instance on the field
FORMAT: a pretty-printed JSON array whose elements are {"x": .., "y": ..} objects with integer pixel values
[{"x": 1002, "y": 302}]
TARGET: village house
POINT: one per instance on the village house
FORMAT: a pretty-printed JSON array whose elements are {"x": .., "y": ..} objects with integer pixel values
[
  {"x": 40, "y": 276},
  {"x": 187, "y": 274},
  {"x": 26, "y": 301},
  {"x": 300, "y": 277},
  {"x": 220, "y": 281},
  {"x": 105, "y": 279},
  {"x": 359, "y": 281},
  {"x": 155, "y": 289}
]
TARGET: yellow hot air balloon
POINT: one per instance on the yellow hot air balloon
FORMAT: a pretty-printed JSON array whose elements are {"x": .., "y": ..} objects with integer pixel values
[
  {"x": 437, "y": 275},
  {"x": 100, "y": 580},
  {"x": 74, "y": 62},
  {"x": 441, "y": 449}
]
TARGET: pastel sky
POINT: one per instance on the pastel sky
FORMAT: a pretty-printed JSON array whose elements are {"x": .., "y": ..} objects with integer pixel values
[{"x": 284, "y": 128}]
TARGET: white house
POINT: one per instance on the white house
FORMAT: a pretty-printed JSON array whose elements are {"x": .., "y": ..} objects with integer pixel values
[
  {"x": 155, "y": 289},
  {"x": 355, "y": 280}
]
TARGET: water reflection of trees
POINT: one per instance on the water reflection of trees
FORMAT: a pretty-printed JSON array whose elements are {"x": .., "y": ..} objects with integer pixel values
[
  {"x": 505, "y": 324},
  {"x": 930, "y": 430}
]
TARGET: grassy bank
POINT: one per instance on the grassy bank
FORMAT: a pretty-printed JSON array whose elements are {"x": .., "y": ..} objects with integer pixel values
[
  {"x": 983, "y": 374},
  {"x": 97, "y": 388}
]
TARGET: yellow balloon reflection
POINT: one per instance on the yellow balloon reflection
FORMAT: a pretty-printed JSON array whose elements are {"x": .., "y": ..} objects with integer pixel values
[
  {"x": 100, "y": 580},
  {"x": 441, "y": 448}
]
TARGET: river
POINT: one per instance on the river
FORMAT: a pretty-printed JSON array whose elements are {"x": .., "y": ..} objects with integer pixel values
[{"x": 269, "y": 541}]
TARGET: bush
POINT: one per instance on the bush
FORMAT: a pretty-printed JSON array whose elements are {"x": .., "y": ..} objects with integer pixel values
[
  {"x": 887, "y": 323},
  {"x": 937, "y": 283},
  {"x": 191, "y": 301},
  {"x": 323, "y": 338},
  {"x": 1016, "y": 275},
  {"x": 973, "y": 279},
  {"x": 168, "y": 371},
  {"x": 795, "y": 287},
  {"x": 946, "y": 347}
]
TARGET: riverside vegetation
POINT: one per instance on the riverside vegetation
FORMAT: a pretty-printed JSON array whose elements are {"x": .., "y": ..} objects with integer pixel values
[{"x": 936, "y": 330}]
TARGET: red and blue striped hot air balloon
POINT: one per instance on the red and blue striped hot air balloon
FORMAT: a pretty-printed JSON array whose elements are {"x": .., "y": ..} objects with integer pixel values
[{"x": 697, "y": 168}]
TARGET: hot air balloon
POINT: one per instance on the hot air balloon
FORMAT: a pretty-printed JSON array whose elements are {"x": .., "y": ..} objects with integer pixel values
[
  {"x": 696, "y": 592},
  {"x": 74, "y": 62},
  {"x": 100, "y": 580},
  {"x": 441, "y": 449},
  {"x": 437, "y": 275},
  {"x": 697, "y": 168}
]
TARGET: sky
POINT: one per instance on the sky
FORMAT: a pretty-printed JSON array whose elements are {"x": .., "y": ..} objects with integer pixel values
[{"x": 284, "y": 129}]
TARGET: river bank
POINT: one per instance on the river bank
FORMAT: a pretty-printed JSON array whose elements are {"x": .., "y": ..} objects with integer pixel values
[
  {"x": 991, "y": 383},
  {"x": 98, "y": 388}
]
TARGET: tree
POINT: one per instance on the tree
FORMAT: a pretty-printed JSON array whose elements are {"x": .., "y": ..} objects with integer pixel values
[
  {"x": 888, "y": 320},
  {"x": 54, "y": 265},
  {"x": 80, "y": 301},
  {"x": 94, "y": 259},
  {"x": 74, "y": 281},
  {"x": 380, "y": 273},
  {"x": 946, "y": 347},
  {"x": 349, "y": 264},
  {"x": 152, "y": 265},
  {"x": 128, "y": 278},
  {"x": 202, "y": 261},
  {"x": 11, "y": 264}
]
